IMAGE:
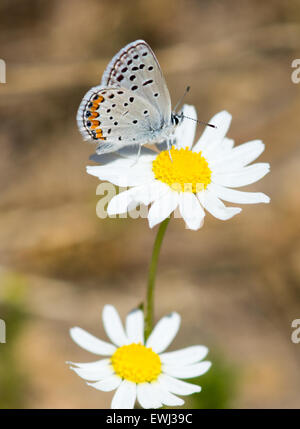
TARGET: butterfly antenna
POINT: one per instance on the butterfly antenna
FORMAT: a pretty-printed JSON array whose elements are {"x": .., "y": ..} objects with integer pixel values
[
  {"x": 199, "y": 122},
  {"x": 181, "y": 98}
]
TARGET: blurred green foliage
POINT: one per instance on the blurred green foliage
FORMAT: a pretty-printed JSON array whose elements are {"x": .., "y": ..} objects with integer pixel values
[
  {"x": 219, "y": 385},
  {"x": 12, "y": 311}
]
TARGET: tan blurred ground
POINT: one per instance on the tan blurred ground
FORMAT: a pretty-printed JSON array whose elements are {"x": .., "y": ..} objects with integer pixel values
[{"x": 235, "y": 283}]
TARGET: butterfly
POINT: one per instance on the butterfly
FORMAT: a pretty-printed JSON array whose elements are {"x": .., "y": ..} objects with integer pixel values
[{"x": 131, "y": 106}]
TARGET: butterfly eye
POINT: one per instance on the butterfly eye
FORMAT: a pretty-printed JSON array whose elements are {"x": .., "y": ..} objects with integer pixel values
[{"x": 175, "y": 119}]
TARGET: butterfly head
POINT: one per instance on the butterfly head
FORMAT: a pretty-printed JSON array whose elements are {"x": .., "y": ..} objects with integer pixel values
[{"x": 176, "y": 118}]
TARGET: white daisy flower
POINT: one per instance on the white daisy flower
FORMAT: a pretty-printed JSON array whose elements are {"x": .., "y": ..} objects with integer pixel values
[
  {"x": 196, "y": 178},
  {"x": 140, "y": 370}
]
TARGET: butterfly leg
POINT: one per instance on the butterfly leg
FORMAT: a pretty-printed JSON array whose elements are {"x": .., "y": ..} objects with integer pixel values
[
  {"x": 169, "y": 149},
  {"x": 137, "y": 156}
]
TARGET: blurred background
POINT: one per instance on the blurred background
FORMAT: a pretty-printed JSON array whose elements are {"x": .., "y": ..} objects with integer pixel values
[{"x": 235, "y": 283}]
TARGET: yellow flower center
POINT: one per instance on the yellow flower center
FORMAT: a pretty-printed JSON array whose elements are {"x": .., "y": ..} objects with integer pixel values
[
  {"x": 137, "y": 363},
  {"x": 187, "y": 171}
]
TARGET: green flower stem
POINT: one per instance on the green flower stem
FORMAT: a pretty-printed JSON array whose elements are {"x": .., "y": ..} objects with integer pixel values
[{"x": 149, "y": 307}]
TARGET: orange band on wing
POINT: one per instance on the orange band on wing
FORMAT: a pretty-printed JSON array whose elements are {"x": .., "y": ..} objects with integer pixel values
[{"x": 95, "y": 124}]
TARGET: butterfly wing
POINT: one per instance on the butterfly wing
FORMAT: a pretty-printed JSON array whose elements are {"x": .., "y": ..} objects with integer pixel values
[
  {"x": 136, "y": 68},
  {"x": 116, "y": 117}
]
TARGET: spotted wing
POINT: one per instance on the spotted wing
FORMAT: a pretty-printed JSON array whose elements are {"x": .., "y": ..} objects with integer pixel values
[
  {"x": 135, "y": 67},
  {"x": 116, "y": 117}
]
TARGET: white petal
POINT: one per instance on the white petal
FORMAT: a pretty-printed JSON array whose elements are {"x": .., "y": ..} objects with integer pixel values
[
  {"x": 224, "y": 149},
  {"x": 227, "y": 144},
  {"x": 125, "y": 396},
  {"x": 151, "y": 191},
  {"x": 113, "y": 159},
  {"x": 185, "y": 132},
  {"x": 162, "y": 208},
  {"x": 185, "y": 356},
  {"x": 127, "y": 200},
  {"x": 189, "y": 371},
  {"x": 177, "y": 386},
  {"x": 135, "y": 175},
  {"x": 98, "y": 364},
  {"x": 215, "y": 206},
  {"x": 165, "y": 397},
  {"x": 92, "y": 374},
  {"x": 124, "y": 157},
  {"x": 164, "y": 332},
  {"x": 212, "y": 137},
  {"x": 238, "y": 157},
  {"x": 245, "y": 176},
  {"x": 90, "y": 343},
  {"x": 135, "y": 326},
  {"x": 238, "y": 197},
  {"x": 130, "y": 154},
  {"x": 107, "y": 384},
  {"x": 191, "y": 210},
  {"x": 113, "y": 326},
  {"x": 146, "y": 396},
  {"x": 121, "y": 202}
]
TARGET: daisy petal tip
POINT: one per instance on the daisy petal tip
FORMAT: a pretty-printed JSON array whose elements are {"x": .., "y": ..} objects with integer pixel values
[
  {"x": 197, "y": 389},
  {"x": 223, "y": 115},
  {"x": 180, "y": 402},
  {"x": 74, "y": 331},
  {"x": 108, "y": 307},
  {"x": 208, "y": 366},
  {"x": 135, "y": 311},
  {"x": 153, "y": 222},
  {"x": 90, "y": 169},
  {"x": 175, "y": 315}
]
